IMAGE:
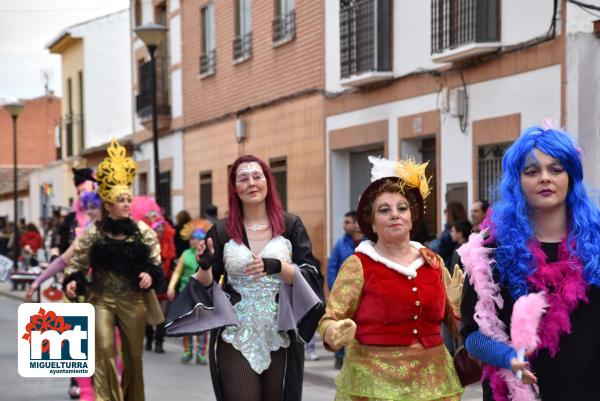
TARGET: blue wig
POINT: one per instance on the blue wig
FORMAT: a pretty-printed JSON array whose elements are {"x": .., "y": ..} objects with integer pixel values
[
  {"x": 90, "y": 200},
  {"x": 512, "y": 226}
]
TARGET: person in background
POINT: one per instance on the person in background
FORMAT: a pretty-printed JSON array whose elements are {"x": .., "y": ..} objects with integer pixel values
[
  {"x": 181, "y": 219},
  {"x": 343, "y": 248},
  {"x": 211, "y": 213},
  {"x": 459, "y": 231},
  {"x": 443, "y": 245},
  {"x": 187, "y": 265},
  {"x": 478, "y": 213}
]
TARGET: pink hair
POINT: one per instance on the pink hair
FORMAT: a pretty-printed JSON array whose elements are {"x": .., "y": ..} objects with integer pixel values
[
  {"x": 141, "y": 206},
  {"x": 236, "y": 213}
]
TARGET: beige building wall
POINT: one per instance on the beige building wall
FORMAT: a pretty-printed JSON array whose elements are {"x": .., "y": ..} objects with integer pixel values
[
  {"x": 71, "y": 52},
  {"x": 293, "y": 130}
]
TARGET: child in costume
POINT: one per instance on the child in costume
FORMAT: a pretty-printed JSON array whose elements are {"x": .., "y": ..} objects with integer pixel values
[
  {"x": 187, "y": 265},
  {"x": 543, "y": 238}
]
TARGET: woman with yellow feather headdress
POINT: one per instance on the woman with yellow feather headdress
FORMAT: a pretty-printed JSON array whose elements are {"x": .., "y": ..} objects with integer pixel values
[
  {"x": 389, "y": 300},
  {"x": 125, "y": 259}
]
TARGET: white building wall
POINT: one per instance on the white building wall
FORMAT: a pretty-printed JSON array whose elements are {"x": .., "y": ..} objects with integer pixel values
[
  {"x": 7, "y": 209},
  {"x": 175, "y": 39},
  {"x": 534, "y": 94},
  {"x": 583, "y": 87},
  {"x": 524, "y": 20},
  {"x": 176, "y": 95},
  {"x": 107, "y": 77},
  {"x": 62, "y": 188},
  {"x": 170, "y": 146}
]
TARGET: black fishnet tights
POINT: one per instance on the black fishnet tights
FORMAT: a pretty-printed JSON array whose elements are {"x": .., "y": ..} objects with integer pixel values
[{"x": 241, "y": 383}]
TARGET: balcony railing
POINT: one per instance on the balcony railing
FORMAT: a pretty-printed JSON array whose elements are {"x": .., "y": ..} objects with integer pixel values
[
  {"x": 242, "y": 47},
  {"x": 143, "y": 101},
  {"x": 284, "y": 26},
  {"x": 459, "y": 23},
  {"x": 207, "y": 62},
  {"x": 365, "y": 37}
]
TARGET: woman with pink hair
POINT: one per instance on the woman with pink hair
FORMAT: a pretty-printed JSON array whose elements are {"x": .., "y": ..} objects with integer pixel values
[{"x": 274, "y": 285}]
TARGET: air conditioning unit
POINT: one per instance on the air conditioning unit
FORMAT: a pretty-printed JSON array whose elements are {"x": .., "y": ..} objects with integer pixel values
[{"x": 458, "y": 102}]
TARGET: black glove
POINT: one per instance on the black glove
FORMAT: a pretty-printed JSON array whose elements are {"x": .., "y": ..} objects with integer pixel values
[
  {"x": 272, "y": 266},
  {"x": 206, "y": 260}
]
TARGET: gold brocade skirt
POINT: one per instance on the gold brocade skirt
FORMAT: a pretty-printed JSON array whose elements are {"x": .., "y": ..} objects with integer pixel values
[{"x": 377, "y": 373}]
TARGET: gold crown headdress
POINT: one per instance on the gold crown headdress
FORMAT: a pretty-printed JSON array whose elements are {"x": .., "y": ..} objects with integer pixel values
[
  {"x": 115, "y": 173},
  {"x": 410, "y": 173}
]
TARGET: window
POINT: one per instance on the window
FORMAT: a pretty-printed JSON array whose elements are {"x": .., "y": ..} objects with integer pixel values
[
  {"x": 489, "y": 172},
  {"x": 69, "y": 118},
  {"x": 164, "y": 181},
  {"x": 80, "y": 124},
  {"x": 205, "y": 191},
  {"x": 455, "y": 23},
  {"x": 279, "y": 171},
  {"x": 365, "y": 36},
  {"x": 284, "y": 23},
  {"x": 242, "y": 44},
  {"x": 207, "y": 58},
  {"x": 143, "y": 184}
]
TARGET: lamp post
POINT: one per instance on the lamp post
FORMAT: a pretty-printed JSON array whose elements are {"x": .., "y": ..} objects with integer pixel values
[
  {"x": 14, "y": 109},
  {"x": 152, "y": 35}
]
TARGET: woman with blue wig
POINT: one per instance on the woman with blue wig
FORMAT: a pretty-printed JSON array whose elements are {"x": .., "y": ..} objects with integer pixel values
[{"x": 533, "y": 277}]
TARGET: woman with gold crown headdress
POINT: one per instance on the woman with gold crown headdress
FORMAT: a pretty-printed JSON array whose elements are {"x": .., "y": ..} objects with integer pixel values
[
  {"x": 126, "y": 263},
  {"x": 389, "y": 299}
]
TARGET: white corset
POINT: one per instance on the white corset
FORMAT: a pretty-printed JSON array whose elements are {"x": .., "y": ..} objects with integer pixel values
[{"x": 257, "y": 334}]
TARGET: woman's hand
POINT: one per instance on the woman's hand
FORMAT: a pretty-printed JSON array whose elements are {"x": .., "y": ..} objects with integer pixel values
[
  {"x": 171, "y": 294},
  {"x": 205, "y": 259},
  {"x": 256, "y": 268},
  {"x": 528, "y": 376},
  {"x": 72, "y": 289},
  {"x": 340, "y": 334},
  {"x": 454, "y": 287},
  {"x": 145, "y": 280},
  {"x": 30, "y": 290}
]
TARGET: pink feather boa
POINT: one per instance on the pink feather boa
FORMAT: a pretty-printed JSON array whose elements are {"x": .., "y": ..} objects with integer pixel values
[{"x": 566, "y": 275}]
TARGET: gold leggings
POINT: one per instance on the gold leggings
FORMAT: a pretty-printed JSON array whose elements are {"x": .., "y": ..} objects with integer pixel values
[{"x": 130, "y": 314}]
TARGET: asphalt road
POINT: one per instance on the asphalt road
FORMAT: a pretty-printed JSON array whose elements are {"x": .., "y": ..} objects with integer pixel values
[{"x": 164, "y": 376}]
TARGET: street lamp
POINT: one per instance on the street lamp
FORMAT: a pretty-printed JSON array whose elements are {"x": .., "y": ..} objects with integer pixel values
[
  {"x": 14, "y": 109},
  {"x": 152, "y": 35}
]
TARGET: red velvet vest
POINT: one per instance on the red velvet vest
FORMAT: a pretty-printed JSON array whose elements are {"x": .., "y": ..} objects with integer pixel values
[{"x": 396, "y": 310}]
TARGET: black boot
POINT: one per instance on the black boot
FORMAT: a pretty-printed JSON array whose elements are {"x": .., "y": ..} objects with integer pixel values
[
  {"x": 158, "y": 348},
  {"x": 149, "y": 337}
]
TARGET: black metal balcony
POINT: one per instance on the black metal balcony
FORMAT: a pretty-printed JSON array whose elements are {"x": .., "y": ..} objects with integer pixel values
[
  {"x": 242, "y": 46},
  {"x": 365, "y": 37},
  {"x": 284, "y": 26},
  {"x": 143, "y": 101},
  {"x": 456, "y": 23},
  {"x": 207, "y": 62}
]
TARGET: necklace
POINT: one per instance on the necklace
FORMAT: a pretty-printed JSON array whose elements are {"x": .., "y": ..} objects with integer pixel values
[{"x": 258, "y": 227}]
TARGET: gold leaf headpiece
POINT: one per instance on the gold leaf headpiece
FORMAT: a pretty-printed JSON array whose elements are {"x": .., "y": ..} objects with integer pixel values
[{"x": 116, "y": 173}]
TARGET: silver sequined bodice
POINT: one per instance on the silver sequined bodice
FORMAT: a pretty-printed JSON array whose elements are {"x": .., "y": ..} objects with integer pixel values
[{"x": 257, "y": 334}]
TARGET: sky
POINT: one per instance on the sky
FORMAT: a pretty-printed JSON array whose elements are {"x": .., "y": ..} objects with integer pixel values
[{"x": 26, "y": 27}]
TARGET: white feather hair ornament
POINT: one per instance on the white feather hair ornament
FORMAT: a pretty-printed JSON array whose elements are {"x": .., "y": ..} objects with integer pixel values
[{"x": 409, "y": 172}]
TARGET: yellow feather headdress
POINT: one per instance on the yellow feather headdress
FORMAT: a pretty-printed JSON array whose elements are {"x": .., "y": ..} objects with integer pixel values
[
  {"x": 410, "y": 173},
  {"x": 116, "y": 173}
]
